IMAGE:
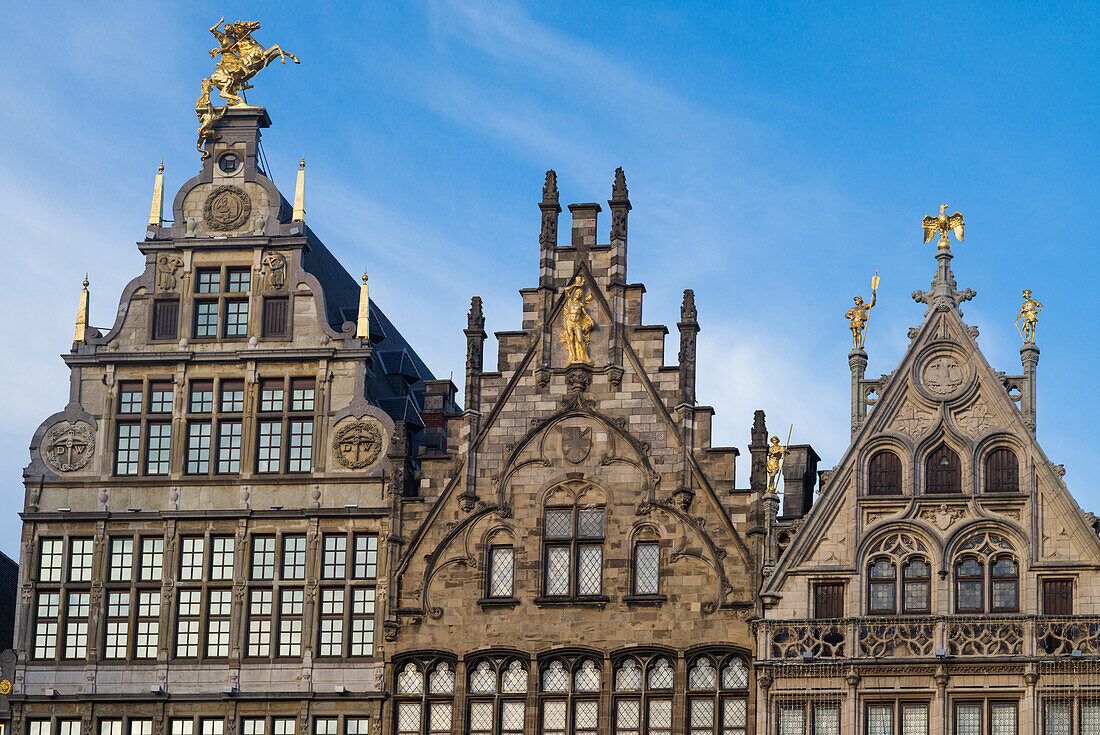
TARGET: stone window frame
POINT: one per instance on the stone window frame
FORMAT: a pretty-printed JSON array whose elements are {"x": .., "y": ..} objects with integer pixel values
[
  {"x": 206, "y": 585},
  {"x": 900, "y": 471},
  {"x": 286, "y": 416},
  {"x": 198, "y": 725},
  {"x": 343, "y": 724},
  {"x": 1075, "y": 706},
  {"x": 427, "y": 697},
  {"x": 645, "y": 534},
  {"x": 645, "y": 663},
  {"x": 273, "y": 724},
  {"x": 570, "y": 665},
  {"x": 724, "y": 663},
  {"x": 986, "y": 547},
  {"x": 987, "y": 705},
  {"x": 277, "y": 594},
  {"x": 498, "y": 539},
  {"x": 898, "y": 547},
  {"x": 127, "y": 724},
  {"x": 575, "y": 543},
  {"x": 501, "y": 696},
  {"x": 59, "y": 591},
  {"x": 145, "y": 595},
  {"x": 809, "y": 711},
  {"x": 143, "y": 419},
  {"x": 943, "y": 450},
  {"x": 358, "y": 587},
  {"x": 217, "y": 417},
  {"x": 897, "y": 708},
  {"x": 221, "y": 298},
  {"x": 54, "y": 725}
]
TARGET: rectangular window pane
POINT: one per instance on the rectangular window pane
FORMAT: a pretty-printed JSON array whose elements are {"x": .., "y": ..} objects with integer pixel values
[
  {"x": 141, "y": 727},
  {"x": 501, "y": 565},
  {"x": 191, "y": 558},
  {"x": 152, "y": 559},
  {"x": 148, "y": 625},
  {"x": 45, "y": 634},
  {"x": 481, "y": 718},
  {"x": 557, "y": 570},
  {"x": 68, "y": 727},
  {"x": 254, "y": 726},
  {"x": 628, "y": 716},
  {"x": 50, "y": 558},
  {"x": 332, "y": 622},
  {"x": 1056, "y": 718},
  {"x": 511, "y": 717},
  {"x": 121, "y": 560},
  {"x": 559, "y": 523},
  {"x": 408, "y": 718},
  {"x": 660, "y": 717},
  {"x": 126, "y": 454},
  {"x": 553, "y": 717},
  {"x": 229, "y": 447},
  {"x": 362, "y": 622},
  {"x": 217, "y": 630},
  {"x": 701, "y": 716},
  {"x": 236, "y": 318},
  {"x": 335, "y": 559},
  {"x": 263, "y": 557},
  {"x": 1002, "y": 717},
  {"x": 118, "y": 624},
  {"x": 970, "y": 595},
  {"x": 294, "y": 557},
  {"x": 129, "y": 398},
  {"x": 76, "y": 625},
  {"x": 211, "y": 727},
  {"x": 968, "y": 719},
  {"x": 356, "y": 726},
  {"x": 232, "y": 397},
  {"x": 160, "y": 398},
  {"x": 590, "y": 570},
  {"x": 271, "y": 395},
  {"x": 300, "y": 457},
  {"x": 159, "y": 449},
  {"x": 38, "y": 727},
  {"x": 439, "y": 718},
  {"x": 187, "y": 627},
  {"x": 208, "y": 280},
  {"x": 239, "y": 280},
  {"x": 182, "y": 727},
  {"x": 80, "y": 560},
  {"x": 792, "y": 720},
  {"x": 206, "y": 318},
  {"x": 914, "y": 719},
  {"x": 198, "y": 448},
  {"x": 301, "y": 398},
  {"x": 202, "y": 397},
  {"x": 880, "y": 719},
  {"x": 882, "y": 596},
  {"x": 366, "y": 557},
  {"x": 270, "y": 446},
  {"x": 1004, "y": 595},
  {"x": 290, "y": 622},
  {"x": 110, "y": 727},
  {"x": 326, "y": 726},
  {"x": 590, "y": 523},
  {"x": 646, "y": 561},
  {"x": 221, "y": 567},
  {"x": 259, "y": 623},
  {"x": 1090, "y": 718}
]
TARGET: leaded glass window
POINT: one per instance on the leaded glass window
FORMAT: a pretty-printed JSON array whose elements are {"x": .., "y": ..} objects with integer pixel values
[
  {"x": 646, "y": 567},
  {"x": 501, "y": 571},
  {"x": 968, "y": 719},
  {"x": 643, "y": 710},
  {"x": 421, "y": 710},
  {"x": 573, "y": 556},
  {"x": 718, "y": 705},
  {"x": 490, "y": 708},
  {"x": 882, "y": 590}
]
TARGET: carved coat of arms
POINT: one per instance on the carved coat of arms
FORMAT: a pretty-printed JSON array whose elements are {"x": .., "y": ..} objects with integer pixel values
[
  {"x": 358, "y": 444},
  {"x": 576, "y": 443},
  {"x": 68, "y": 447},
  {"x": 943, "y": 375}
]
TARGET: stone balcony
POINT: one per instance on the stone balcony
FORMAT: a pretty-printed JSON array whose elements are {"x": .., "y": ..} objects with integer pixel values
[{"x": 929, "y": 637}]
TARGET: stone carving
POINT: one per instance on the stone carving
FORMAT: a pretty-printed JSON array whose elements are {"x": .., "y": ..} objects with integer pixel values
[
  {"x": 358, "y": 444},
  {"x": 273, "y": 266},
  {"x": 226, "y": 208},
  {"x": 975, "y": 420},
  {"x": 879, "y": 640},
  {"x": 1062, "y": 638},
  {"x": 942, "y": 375},
  {"x": 68, "y": 447},
  {"x": 943, "y": 516},
  {"x": 576, "y": 443},
  {"x": 168, "y": 266},
  {"x": 825, "y": 640},
  {"x": 913, "y": 422},
  {"x": 979, "y": 638}
]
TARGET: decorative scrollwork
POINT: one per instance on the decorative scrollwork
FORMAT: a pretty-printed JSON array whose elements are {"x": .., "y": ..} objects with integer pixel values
[
  {"x": 896, "y": 638},
  {"x": 1063, "y": 637},
  {"x": 982, "y": 638},
  {"x": 823, "y": 640}
]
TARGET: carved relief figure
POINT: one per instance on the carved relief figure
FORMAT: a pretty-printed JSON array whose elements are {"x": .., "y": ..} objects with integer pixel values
[
  {"x": 274, "y": 269},
  {"x": 167, "y": 268},
  {"x": 575, "y": 330},
  {"x": 242, "y": 57},
  {"x": 1029, "y": 313}
]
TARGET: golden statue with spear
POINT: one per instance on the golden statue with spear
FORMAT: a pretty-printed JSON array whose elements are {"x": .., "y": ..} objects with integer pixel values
[
  {"x": 775, "y": 460},
  {"x": 857, "y": 316}
]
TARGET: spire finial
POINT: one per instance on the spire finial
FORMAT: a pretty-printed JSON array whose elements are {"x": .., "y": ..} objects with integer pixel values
[
  {"x": 299, "y": 214},
  {"x": 82, "y": 313},
  {"x": 618, "y": 190},
  {"x": 550, "y": 188},
  {"x": 156, "y": 209},
  {"x": 362, "y": 323}
]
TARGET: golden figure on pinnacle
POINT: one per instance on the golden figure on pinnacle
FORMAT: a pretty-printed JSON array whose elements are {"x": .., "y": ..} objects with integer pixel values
[
  {"x": 943, "y": 223},
  {"x": 1029, "y": 313},
  {"x": 858, "y": 314}
]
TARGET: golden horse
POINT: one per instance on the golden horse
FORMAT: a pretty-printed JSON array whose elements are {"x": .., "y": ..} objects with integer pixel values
[{"x": 242, "y": 57}]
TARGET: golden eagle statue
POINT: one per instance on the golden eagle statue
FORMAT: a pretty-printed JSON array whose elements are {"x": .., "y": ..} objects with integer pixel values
[{"x": 942, "y": 224}]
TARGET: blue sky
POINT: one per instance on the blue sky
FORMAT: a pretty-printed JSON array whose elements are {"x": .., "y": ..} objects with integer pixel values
[{"x": 776, "y": 154}]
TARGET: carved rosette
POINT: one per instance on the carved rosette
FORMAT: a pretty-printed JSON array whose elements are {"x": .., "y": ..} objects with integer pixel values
[
  {"x": 358, "y": 444},
  {"x": 226, "y": 208},
  {"x": 68, "y": 447}
]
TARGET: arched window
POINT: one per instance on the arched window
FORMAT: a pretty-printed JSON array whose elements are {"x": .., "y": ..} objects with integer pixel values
[
  {"x": 570, "y": 697},
  {"x": 1002, "y": 472},
  {"x": 916, "y": 586},
  {"x": 1005, "y": 585},
  {"x": 500, "y": 571},
  {"x": 420, "y": 709},
  {"x": 718, "y": 696},
  {"x": 573, "y": 551},
  {"x": 497, "y": 697},
  {"x": 883, "y": 587},
  {"x": 981, "y": 555},
  {"x": 643, "y": 704},
  {"x": 884, "y": 474},
  {"x": 943, "y": 474},
  {"x": 646, "y": 568},
  {"x": 889, "y": 594}
]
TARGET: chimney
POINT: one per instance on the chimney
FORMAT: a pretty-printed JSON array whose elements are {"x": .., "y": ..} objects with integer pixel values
[
  {"x": 799, "y": 479},
  {"x": 584, "y": 225}
]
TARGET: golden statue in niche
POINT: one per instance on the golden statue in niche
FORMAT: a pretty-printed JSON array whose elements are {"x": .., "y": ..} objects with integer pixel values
[
  {"x": 575, "y": 330},
  {"x": 857, "y": 315},
  {"x": 1029, "y": 313}
]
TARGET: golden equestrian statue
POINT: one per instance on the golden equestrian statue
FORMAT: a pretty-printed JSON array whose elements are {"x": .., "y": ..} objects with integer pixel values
[
  {"x": 577, "y": 325},
  {"x": 1029, "y": 313},
  {"x": 775, "y": 459},
  {"x": 857, "y": 315},
  {"x": 943, "y": 224},
  {"x": 242, "y": 57}
]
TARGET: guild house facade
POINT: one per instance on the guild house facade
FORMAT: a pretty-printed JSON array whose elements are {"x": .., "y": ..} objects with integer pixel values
[{"x": 258, "y": 513}]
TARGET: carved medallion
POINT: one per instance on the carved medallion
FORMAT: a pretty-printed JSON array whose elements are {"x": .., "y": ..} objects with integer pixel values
[
  {"x": 943, "y": 376},
  {"x": 227, "y": 208},
  {"x": 576, "y": 443},
  {"x": 357, "y": 444},
  {"x": 68, "y": 447}
]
